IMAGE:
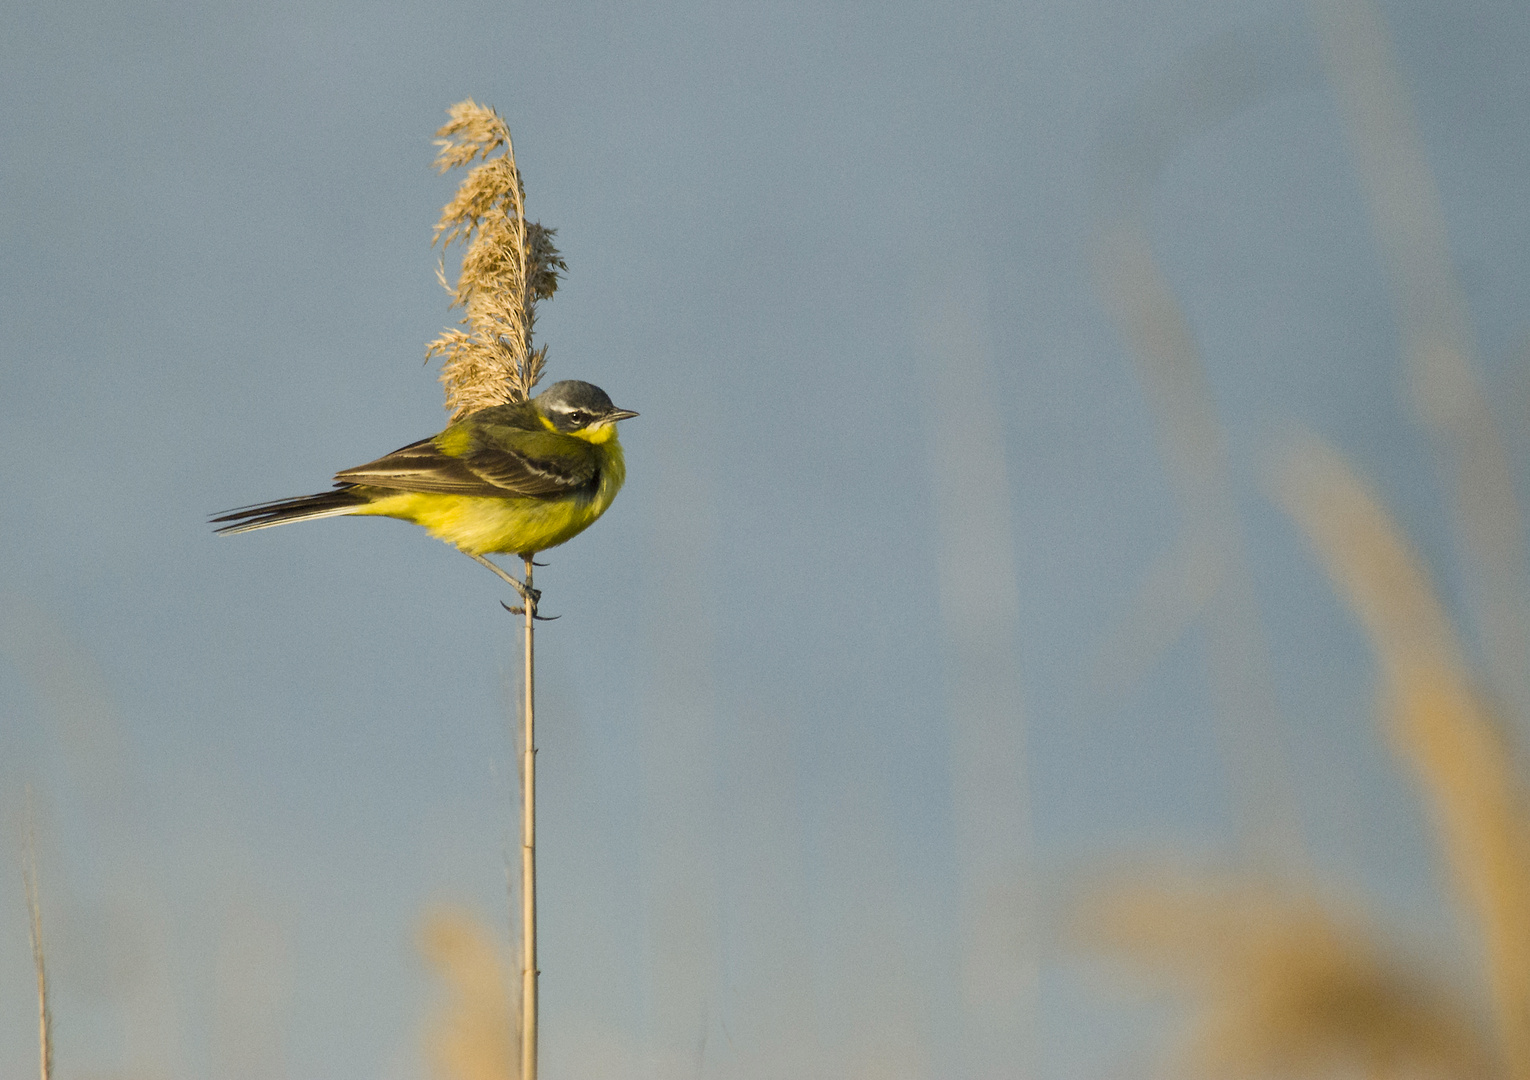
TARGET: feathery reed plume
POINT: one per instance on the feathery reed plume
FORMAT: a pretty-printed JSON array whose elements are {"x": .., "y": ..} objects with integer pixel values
[
  {"x": 1285, "y": 986},
  {"x": 510, "y": 263},
  {"x": 34, "y": 926},
  {"x": 473, "y": 1036},
  {"x": 1447, "y": 730}
]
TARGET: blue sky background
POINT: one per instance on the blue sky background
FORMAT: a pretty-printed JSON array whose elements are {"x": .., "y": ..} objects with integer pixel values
[{"x": 835, "y": 255}]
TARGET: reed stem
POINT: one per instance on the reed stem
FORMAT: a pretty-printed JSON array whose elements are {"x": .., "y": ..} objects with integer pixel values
[
  {"x": 529, "y": 849},
  {"x": 34, "y": 926}
]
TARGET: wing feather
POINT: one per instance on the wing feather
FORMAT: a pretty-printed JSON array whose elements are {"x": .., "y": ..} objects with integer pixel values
[{"x": 493, "y": 469}]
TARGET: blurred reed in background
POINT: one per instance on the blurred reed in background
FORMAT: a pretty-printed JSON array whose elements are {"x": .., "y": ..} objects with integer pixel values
[
  {"x": 472, "y": 1035},
  {"x": 1285, "y": 981}
]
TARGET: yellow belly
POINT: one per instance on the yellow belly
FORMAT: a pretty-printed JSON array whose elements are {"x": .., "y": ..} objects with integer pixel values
[{"x": 482, "y": 526}]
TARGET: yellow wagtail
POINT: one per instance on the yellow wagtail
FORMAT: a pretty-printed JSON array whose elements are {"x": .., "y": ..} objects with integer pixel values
[{"x": 509, "y": 479}]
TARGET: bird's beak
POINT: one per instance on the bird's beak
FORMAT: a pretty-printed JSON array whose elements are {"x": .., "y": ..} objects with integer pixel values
[{"x": 619, "y": 414}]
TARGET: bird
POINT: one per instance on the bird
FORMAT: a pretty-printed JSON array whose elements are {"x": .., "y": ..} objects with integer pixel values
[{"x": 517, "y": 478}]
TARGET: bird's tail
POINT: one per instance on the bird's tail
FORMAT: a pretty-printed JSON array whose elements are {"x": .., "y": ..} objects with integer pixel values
[{"x": 343, "y": 500}]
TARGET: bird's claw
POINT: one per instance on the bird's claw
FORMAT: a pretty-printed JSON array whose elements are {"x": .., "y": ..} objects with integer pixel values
[{"x": 534, "y": 615}]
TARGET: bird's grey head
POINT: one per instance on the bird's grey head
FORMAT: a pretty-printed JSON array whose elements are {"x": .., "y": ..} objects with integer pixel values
[{"x": 572, "y": 405}]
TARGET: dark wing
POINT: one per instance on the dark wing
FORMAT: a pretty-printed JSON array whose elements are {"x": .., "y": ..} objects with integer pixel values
[{"x": 494, "y": 471}]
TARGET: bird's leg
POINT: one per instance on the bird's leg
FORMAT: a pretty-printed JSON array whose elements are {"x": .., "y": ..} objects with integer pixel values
[
  {"x": 531, "y": 596},
  {"x": 528, "y": 595}
]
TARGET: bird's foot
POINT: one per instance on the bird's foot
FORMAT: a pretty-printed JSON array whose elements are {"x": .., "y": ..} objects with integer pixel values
[
  {"x": 534, "y": 615},
  {"x": 529, "y": 596}
]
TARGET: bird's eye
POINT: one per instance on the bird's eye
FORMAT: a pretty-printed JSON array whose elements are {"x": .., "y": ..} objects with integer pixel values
[{"x": 578, "y": 418}]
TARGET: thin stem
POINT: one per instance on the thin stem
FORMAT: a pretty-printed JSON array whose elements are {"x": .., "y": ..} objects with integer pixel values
[
  {"x": 529, "y": 597},
  {"x": 529, "y": 851},
  {"x": 34, "y": 913}
]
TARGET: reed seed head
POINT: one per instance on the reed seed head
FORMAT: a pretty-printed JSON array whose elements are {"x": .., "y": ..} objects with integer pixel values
[{"x": 509, "y": 264}]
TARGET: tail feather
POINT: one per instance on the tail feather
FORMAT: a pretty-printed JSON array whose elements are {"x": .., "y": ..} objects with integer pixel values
[{"x": 343, "y": 500}]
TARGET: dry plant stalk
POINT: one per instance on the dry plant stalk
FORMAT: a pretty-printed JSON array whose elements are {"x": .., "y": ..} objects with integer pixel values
[
  {"x": 1285, "y": 987},
  {"x": 1440, "y": 722},
  {"x": 529, "y": 972},
  {"x": 34, "y": 926},
  {"x": 510, "y": 263},
  {"x": 473, "y": 1037}
]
